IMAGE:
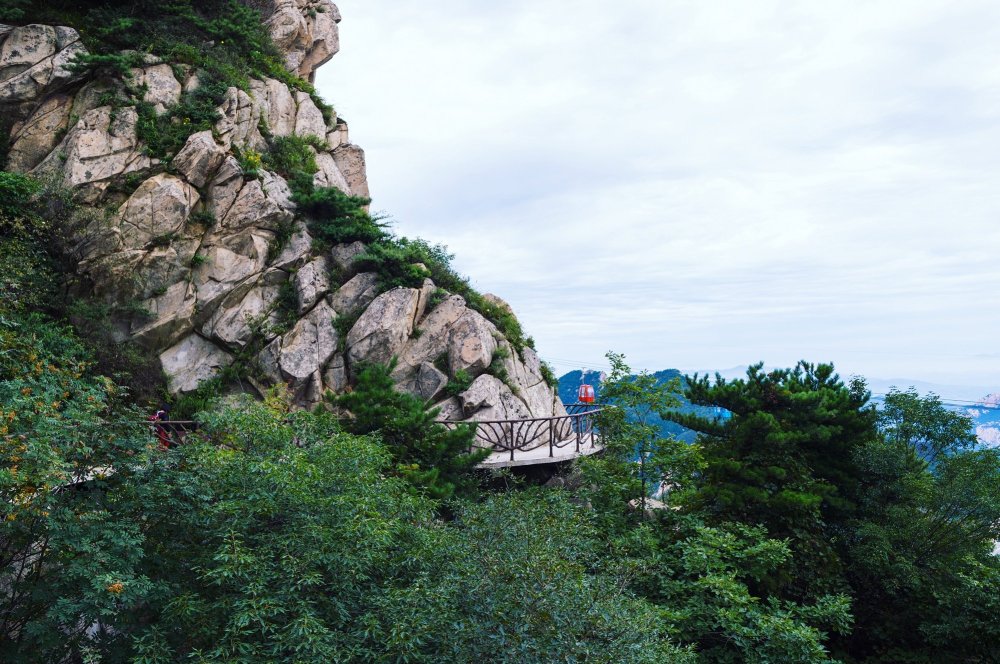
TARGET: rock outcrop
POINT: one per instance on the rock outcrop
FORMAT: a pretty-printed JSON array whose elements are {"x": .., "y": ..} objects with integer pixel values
[{"x": 217, "y": 258}]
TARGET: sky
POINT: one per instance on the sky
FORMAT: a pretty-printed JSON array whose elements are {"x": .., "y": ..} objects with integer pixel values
[{"x": 699, "y": 184}]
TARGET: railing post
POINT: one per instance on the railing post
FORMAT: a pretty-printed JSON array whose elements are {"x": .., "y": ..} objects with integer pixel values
[
  {"x": 511, "y": 441},
  {"x": 577, "y": 427},
  {"x": 552, "y": 438}
]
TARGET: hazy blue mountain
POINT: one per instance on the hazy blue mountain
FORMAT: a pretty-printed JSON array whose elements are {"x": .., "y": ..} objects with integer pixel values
[
  {"x": 984, "y": 414},
  {"x": 569, "y": 384}
]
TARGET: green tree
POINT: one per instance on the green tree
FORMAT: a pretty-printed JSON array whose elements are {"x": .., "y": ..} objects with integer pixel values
[
  {"x": 920, "y": 551},
  {"x": 434, "y": 458},
  {"x": 69, "y": 554},
  {"x": 638, "y": 461},
  {"x": 705, "y": 579},
  {"x": 782, "y": 456}
]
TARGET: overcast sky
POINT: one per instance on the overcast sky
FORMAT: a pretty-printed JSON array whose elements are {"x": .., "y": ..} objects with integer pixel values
[{"x": 699, "y": 184}]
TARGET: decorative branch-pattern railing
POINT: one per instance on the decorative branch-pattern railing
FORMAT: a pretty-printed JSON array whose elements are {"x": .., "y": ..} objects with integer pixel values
[{"x": 574, "y": 430}]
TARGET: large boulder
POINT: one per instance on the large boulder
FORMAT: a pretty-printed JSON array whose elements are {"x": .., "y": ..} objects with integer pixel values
[
  {"x": 233, "y": 263},
  {"x": 158, "y": 209},
  {"x": 471, "y": 343},
  {"x": 488, "y": 398},
  {"x": 200, "y": 158},
  {"x": 312, "y": 282},
  {"x": 350, "y": 160},
  {"x": 261, "y": 203},
  {"x": 224, "y": 188},
  {"x": 162, "y": 90},
  {"x": 433, "y": 340},
  {"x": 308, "y": 118},
  {"x": 277, "y": 105},
  {"x": 358, "y": 292},
  {"x": 101, "y": 146},
  {"x": 237, "y": 319},
  {"x": 426, "y": 383},
  {"x": 170, "y": 317},
  {"x": 295, "y": 252},
  {"x": 343, "y": 255},
  {"x": 238, "y": 120},
  {"x": 306, "y": 32},
  {"x": 35, "y": 138},
  {"x": 192, "y": 361},
  {"x": 35, "y": 60},
  {"x": 328, "y": 174},
  {"x": 384, "y": 328},
  {"x": 299, "y": 357}
]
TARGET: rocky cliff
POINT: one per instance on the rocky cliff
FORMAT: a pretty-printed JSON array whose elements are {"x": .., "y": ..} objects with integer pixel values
[{"x": 209, "y": 245}]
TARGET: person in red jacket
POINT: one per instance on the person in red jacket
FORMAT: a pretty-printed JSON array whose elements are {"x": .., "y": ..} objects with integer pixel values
[{"x": 162, "y": 435}]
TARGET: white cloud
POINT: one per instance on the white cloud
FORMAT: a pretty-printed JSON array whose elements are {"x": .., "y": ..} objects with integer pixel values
[{"x": 699, "y": 184}]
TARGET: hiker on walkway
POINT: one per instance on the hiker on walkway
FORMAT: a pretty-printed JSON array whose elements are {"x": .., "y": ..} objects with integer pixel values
[{"x": 162, "y": 435}]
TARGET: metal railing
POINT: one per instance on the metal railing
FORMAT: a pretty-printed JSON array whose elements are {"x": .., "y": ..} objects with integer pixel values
[{"x": 575, "y": 429}]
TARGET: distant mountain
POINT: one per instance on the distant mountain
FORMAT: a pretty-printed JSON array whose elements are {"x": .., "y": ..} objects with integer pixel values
[
  {"x": 984, "y": 412},
  {"x": 569, "y": 385},
  {"x": 986, "y": 419}
]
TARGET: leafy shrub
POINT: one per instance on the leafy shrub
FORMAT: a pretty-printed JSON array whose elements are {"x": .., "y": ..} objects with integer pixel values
[
  {"x": 293, "y": 158},
  {"x": 394, "y": 264},
  {"x": 336, "y": 217},
  {"x": 458, "y": 384},
  {"x": 250, "y": 160},
  {"x": 18, "y": 209}
]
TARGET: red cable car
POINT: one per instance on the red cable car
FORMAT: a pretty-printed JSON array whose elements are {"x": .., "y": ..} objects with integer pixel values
[{"x": 585, "y": 394}]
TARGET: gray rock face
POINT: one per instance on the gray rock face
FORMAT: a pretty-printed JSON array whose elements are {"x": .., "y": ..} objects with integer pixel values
[
  {"x": 259, "y": 204},
  {"x": 162, "y": 89},
  {"x": 489, "y": 399},
  {"x": 101, "y": 146},
  {"x": 312, "y": 282},
  {"x": 172, "y": 315},
  {"x": 234, "y": 322},
  {"x": 37, "y": 137},
  {"x": 356, "y": 294},
  {"x": 199, "y": 159},
  {"x": 299, "y": 357},
  {"x": 306, "y": 32},
  {"x": 427, "y": 383},
  {"x": 232, "y": 264},
  {"x": 239, "y": 119},
  {"x": 335, "y": 375},
  {"x": 296, "y": 251},
  {"x": 350, "y": 160},
  {"x": 157, "y": 209},
  {"x": 35, "y": 59},
  {"x": 471, "y": 343},
  {"x": 328, "y": 174},
  {"x": 384, "y": 328},
  {"x": 192, "y": 361},
  {"x": 308, "y": 119},
  {"x": 343, "y": 255}
]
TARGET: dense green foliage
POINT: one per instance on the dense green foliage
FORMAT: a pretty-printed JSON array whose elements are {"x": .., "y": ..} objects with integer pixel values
[
  {"x": 895, "y": 509},
  {"x": 273, "y": 537},
  {"x": 804, "y": 524}
]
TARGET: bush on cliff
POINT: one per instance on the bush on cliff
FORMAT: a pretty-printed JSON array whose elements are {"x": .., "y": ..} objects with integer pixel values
[{"x": 436, "y": 460}]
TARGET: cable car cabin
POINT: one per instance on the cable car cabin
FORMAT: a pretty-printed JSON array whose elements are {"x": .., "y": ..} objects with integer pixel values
[{"x": 585, "y": 394}]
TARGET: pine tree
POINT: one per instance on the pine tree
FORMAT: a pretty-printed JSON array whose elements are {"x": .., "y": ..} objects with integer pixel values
[
  {"x": 782, "y": 456},
  {"x": 432, "y": 457}
]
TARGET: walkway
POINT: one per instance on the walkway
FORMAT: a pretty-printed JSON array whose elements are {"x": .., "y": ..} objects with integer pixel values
[
  {"x": 538, "y": 440},
  {"x": 526, "y": 442}
]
